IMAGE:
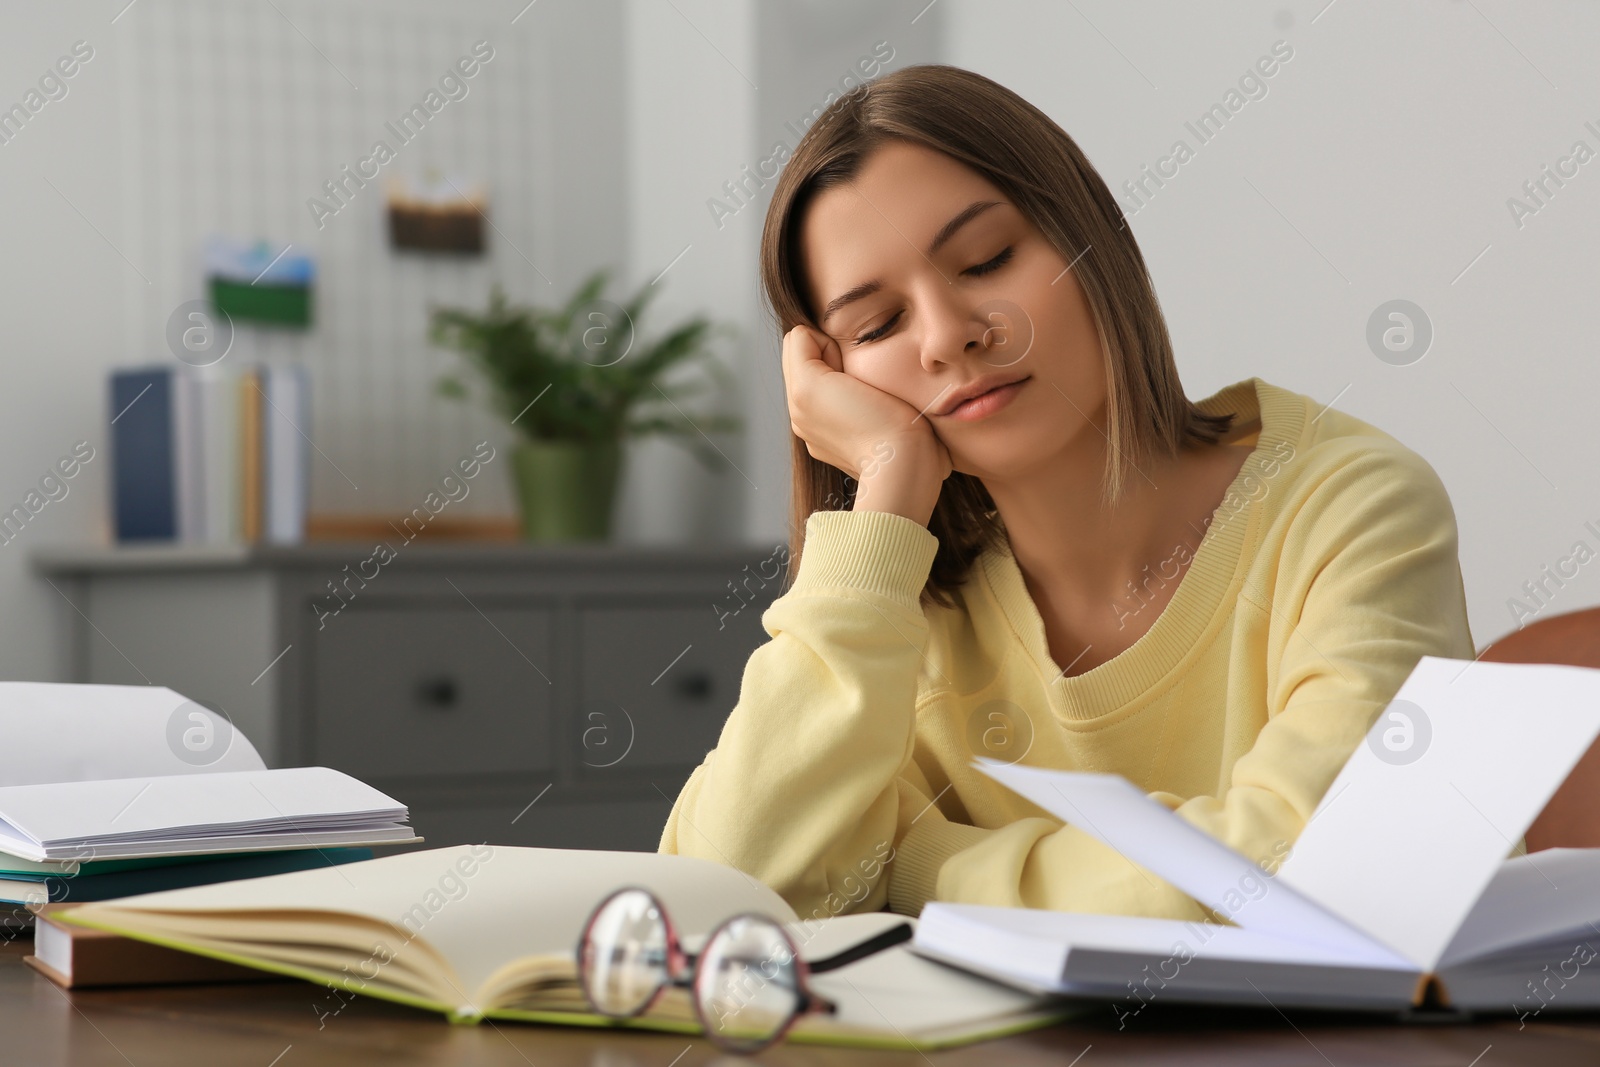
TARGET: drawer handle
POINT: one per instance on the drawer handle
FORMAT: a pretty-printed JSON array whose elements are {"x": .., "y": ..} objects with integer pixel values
[
  {"x": 696, "y": 686},
  {"x": 439, "y": 693}
]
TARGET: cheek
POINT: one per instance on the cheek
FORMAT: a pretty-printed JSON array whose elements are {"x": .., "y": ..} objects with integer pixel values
[{"x": 878, "y": 371}]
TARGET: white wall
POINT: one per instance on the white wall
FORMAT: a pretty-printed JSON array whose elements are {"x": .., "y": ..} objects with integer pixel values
[
  {"x": 1378, "y": 166},
  {"x": 61, "y": 306},
  {"x": 688, "y": 68}
]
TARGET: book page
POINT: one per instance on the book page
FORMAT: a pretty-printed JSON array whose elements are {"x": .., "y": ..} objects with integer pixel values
[
  {"x": 101, "y": 815},
  {"x": 1127, "y": 958},
  {"x": 896, "y": 992},
  {"x": 480, "y": 906},
  {"x": 68, "y": 732},
  {"x": 1530, "y": 899},
  {"x": 1451, "y": 774},
  {"x": 992, "y": 934},
  {"x": 1113, "y": 810}
]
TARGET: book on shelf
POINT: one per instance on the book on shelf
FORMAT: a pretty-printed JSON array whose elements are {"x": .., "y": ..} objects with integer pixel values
[
  {"x": 490, "y": 932},
  {"x": 130, "y": 788},
  {"x": 210, "y": 455},
  {"x": 1399, "y": 892}
]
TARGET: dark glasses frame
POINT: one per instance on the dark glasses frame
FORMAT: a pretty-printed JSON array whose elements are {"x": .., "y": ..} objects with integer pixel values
[{"x": 682, "y": 969}]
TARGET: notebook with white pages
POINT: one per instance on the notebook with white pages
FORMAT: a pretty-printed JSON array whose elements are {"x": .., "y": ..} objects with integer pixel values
[
  {"x": 126, "y": 771},
  {"x": 1397, "y": 893}
]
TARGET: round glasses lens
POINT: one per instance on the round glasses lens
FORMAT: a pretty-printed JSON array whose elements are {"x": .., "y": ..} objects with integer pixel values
[
  {"x": 624, "y": 956},
  {"x": 747, "y": 984}
]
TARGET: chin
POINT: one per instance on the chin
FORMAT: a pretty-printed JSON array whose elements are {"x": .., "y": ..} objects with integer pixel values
[
  {"x": 987, "y": 466},
  {"x": 1005, "y": 456}
]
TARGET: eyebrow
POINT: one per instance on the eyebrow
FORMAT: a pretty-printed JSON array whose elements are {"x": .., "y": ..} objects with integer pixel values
[{"x": 947, "y": 231}]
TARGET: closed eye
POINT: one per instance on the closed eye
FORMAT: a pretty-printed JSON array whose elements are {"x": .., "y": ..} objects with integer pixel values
[
  {"x": 994, "y": 264},
  {"x": 879, "y": 332}
]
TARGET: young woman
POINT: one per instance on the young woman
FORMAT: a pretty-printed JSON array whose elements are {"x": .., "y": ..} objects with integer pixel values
[{"x": 1021, "y": 540}]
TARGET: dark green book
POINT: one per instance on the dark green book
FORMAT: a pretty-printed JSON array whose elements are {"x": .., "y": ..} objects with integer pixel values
[{"x": 176, "y": 873}]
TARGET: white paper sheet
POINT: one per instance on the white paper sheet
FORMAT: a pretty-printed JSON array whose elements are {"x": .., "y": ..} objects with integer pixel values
[{"x": 66, "y": 732}]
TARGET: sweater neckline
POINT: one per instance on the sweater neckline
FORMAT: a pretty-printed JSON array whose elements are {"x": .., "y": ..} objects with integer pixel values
[{"x": 1204, "y": 588}]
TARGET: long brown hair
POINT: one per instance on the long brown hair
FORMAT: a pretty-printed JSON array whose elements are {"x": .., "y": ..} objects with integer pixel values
[{"x": 1024, "y": 153}]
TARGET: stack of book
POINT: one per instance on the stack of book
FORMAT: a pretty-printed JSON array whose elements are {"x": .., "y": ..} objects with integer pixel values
[
  {"x": 210, "y": 454},
  {"x": 128, "y": 789}
]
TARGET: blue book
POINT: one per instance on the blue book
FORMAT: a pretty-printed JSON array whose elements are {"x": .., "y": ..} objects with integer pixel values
[{"x": 144, "y": 481}]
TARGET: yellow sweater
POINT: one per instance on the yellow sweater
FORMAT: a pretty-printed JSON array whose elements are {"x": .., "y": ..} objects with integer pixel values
[{"x": 843, "y": 776}]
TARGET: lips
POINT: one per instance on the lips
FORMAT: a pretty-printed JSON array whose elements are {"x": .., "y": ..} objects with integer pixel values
[{"x": 981, "y": 387}]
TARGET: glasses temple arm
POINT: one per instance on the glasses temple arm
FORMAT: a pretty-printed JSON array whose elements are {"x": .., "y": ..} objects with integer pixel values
[{"x": 888, "y": 939}]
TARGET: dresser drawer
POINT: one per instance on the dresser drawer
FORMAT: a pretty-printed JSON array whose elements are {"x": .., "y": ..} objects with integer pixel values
[
  {"x": 433, "y": 689},
  {"x": 657, "y": 683}
]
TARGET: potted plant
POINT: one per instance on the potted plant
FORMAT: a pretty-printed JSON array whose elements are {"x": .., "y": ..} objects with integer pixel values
[{"x": 574, "y": 382}]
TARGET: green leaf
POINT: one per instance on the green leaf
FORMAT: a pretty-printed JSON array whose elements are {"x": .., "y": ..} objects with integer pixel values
[{"x": 536, "y": 366}]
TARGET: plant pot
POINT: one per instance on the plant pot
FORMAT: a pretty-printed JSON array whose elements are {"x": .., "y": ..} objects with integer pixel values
[{"x": 566, "y": 489}]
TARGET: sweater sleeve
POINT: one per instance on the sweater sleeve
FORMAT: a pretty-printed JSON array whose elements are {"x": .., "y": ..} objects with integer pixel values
[
  {"x": 803, "y": 789},
  {"x": 1368, "y": 582}
]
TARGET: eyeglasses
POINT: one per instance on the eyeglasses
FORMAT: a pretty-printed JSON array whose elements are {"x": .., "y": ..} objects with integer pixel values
[{"x": 748, "y": 981}]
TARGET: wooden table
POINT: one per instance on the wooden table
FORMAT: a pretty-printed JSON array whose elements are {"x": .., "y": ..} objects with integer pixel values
[{"x": 288, "y": 1024}]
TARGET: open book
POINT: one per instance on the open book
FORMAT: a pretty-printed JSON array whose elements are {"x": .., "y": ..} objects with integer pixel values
[
  {"x": 1397, "y": 893},
  {"x": 490, "y": 931},
  {"x": 127, "y": 771}
]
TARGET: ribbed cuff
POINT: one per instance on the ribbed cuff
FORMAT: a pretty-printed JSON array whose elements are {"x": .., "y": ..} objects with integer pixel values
[
  {"x": 920, "y": 855},
  {"x": 874, "y": 551}
]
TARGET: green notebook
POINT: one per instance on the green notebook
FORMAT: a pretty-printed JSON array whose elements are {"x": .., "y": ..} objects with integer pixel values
[{"x": 481, "y": 931}]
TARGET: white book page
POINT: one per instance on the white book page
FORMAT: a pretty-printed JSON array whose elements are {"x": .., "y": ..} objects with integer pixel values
[
  {"x": 67, "y": 732},
  {"x": 134, "y": 809},
  {"x": 1113, "y": 810},
  {"x": 1530, "y": 899},
  {"x": 973, "y": 929},
  {"x": 1452, "y": 773},
  {"x": 482, "y": 906},
  {"x": 896, "y": 991}
]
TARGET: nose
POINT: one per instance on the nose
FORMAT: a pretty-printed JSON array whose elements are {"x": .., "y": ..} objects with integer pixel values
[{"x": 953, "y": 326}]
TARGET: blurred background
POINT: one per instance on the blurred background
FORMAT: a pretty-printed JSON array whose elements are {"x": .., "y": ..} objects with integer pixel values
[{"x": 1435, "y": 154}]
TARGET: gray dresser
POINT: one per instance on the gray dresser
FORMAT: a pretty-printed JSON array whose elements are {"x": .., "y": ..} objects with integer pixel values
[{"x": 518, "y": 694}]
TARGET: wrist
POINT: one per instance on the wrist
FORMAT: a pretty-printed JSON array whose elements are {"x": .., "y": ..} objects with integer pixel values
[{"x": 906, "y": 483}]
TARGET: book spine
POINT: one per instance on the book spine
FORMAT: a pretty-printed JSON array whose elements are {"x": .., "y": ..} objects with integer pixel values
[
  {"x": 286, "y": 453},
  {"x": 302, "y": 446},
  {"x": 187, "y": 447},
  {"x": 144, "y": 469},
  {"x": 219, "y": 435},
  {"x": 250, "y": 455}
]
